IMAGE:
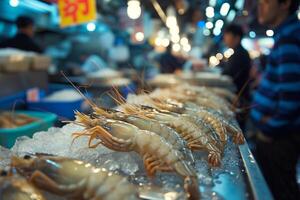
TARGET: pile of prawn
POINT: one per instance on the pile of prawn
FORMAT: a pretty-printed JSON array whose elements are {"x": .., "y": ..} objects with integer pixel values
[
  {"x": 165, "y": 127},
  {"x": 30, "y": 176}
]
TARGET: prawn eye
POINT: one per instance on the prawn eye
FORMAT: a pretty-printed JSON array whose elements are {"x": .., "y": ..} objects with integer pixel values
[{"x": 27, "y": 157}]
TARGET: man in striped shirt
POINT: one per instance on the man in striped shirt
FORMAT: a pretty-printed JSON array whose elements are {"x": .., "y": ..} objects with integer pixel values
[{"x": 276, "y": 103}]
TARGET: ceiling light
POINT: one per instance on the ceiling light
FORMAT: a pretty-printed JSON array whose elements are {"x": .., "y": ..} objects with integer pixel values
[
  {"x": 134, "y": 9},
  {"x": 209, "y": 25},
  {"x": 139, "y": 36},
  {"x": 184, "y": 41},
  {"x": 217, "y": 31},
  {"x": 252, "y": 34},
  {"x": 219, "y": 24},
  {"x": 165, "y": 42},
  {"x": 225, "y": 9},
  {"x": 91, "y": 27},
  {"x": 14, "y": 3},
  {"x": 206, "y": 32},
  {"x": 270, "y": 33},
  {"x": 231, "y": 15},
  {"x": 176, "y": 47},
  {"x": 210, "y": 12},
  {"x": 219, "y": 56},
  {"x": 175, "y": 38}
]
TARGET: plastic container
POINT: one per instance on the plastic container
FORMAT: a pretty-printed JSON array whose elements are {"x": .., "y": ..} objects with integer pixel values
[
  {"x": 8, "y": 136},
  {"x": 8, "y": 102},
  {"x": 64, "y": 110}
]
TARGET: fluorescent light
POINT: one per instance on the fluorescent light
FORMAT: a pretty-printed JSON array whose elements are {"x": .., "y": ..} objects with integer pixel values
[
  {"x": 165, "y": 42},
  {"x": 175, "y": 38},
  {"x": 239, "y": 4},
  {"x": 171, "y": 21},
  {"x": 210, "y": 12},
  {"x": 174, "y": 30},
  {"x": 176, "y": 47},
  {"x": 231, "y": 15},
  {"x": 184, "y": 41},
  {"x": 209, "y": 25},
  {"x": 219, "y": 56},
  {"x": 91, "y": 26},
  {"x": 269, "y": 33},
  {"x": 228, "y": 53},
  {"x": 187, "y": 48},
  {"x": 212, "y": 3},
  {"x": 224, "y": 9},
  {"x": 139, "y": 36},
  {"x": 298, "y": 14},
  {"x": 213, "y": 61},
  {"x": 252, "y": 34},
  {"x": 14, "y": 3},
  {"x": 206, "y": 32},
  {"x": 219, "y": 24},
  {"x": 158, "y": 41},
  {"x": 134, "y": 9},
  {"x": 216, "y": 31}
]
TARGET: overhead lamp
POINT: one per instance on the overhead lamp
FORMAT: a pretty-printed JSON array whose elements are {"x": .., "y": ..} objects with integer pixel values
[
  {"x": 174, "y": 30},
  {"x": 187, "y": 48},
  {"x": 210, "y": 12},
  {"x": 225, "y": 9},
  {"x": 14, "y": 3},
  {"x": 176, "y": 47},
  {"x": 216, "y": 31},
  {"x": 212, "y": 3},
  {"x": 219, "y": 56},
  {"x": 270, "y": 33},
  {"x": 171, "y": 22},
  {"x": 252, "y": 34},
  {"x": 91, "y": 26},
  {"x": 239, "y": 4},
  {"x": 231, "y": 15},
  {"x": 175, "y": 38},
  {"x": 165, "y": 42},
  {"x": 184, "y": 41},
  {"x": 228, "y": 53},
  {"x": 139, "y": 36},
  {"x": 219, "y": 24},
  {"x": 209, "y": 25},
  {"x": 158, "y": 41},
  {"x": 206, "y": 32},
  {"x": 134, "y": 9},
  {"x": 213, "y": 61}
]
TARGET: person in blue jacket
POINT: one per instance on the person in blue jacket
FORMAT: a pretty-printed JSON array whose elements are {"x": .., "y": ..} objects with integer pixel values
[{"x": 276, "y": 103}]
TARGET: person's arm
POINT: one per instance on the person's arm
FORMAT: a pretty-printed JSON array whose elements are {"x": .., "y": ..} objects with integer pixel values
[{"x": 277, "y": 111}]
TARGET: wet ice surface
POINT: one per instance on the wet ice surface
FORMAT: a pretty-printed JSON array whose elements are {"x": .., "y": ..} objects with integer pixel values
[{"x": 226, "y": 182}]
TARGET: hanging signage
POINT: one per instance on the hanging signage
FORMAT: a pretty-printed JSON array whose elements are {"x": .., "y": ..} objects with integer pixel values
[{"x": 74, "y": 12}]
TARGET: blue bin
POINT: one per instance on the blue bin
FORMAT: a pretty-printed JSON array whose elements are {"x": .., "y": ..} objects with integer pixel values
[
  {"x": 14, "y": 100},
  {"x": 8, "y": 136},
  {"x": 64, "y": 110}
]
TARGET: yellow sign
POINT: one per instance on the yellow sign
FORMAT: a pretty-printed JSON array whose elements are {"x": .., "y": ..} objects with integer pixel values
[{"x": 74, "y": 12}]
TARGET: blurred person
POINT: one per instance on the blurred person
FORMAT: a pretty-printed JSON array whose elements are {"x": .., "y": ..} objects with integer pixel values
[
  {"x": 23, "y": 40},
  {"x": 238, "y": 68},
  {"x": 170, "y": 63},
  {"x": 276, "y": 104}
]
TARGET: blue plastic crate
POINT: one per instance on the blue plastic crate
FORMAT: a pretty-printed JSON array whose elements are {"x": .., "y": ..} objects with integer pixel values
[
  {"x": 64, "y": 110},
  {"x": 8, "y": 136}
]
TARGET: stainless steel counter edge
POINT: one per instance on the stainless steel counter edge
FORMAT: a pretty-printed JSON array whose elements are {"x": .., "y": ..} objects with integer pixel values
[{"x": 257, "y": 182}]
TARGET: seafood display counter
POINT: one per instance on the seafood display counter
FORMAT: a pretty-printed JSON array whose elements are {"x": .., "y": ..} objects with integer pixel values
[{"x": 174, "y": 143}]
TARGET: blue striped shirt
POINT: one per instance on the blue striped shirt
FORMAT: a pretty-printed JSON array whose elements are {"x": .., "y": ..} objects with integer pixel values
[{"x": 278, "y": 95}]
